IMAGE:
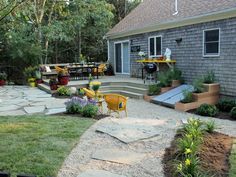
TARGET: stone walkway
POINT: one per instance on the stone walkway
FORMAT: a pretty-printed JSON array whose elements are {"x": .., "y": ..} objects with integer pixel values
[
  {"x": 22, "y": 100},
  {"x": 126, "y": 147}
]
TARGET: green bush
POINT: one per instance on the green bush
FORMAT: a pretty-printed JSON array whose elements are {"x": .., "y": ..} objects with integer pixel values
[
  {"x": 154, "y": 89},
  {"x": 210, "y": 126},
  {"x": 207, "y": 110},
  {"x": 188, "y": 97},
  {"x": 209, "y": 78},
  {"x": 176, "y": 74},
  {"x": 74, "y": 109},
  {"x": 165, "y": 79},
  {"x": 233, "y": 113},
  {"x": 226, "y": 105},
  {"x": 198, "y": 85},
  {"x": 63, "y": 91},
  {"x": 30, "y": 72},
  {"x": 90, "y": 110}
]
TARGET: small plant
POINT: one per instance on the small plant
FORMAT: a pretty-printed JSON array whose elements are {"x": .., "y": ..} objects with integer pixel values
[
  {"x": 90, "y": 110},
  {"x": 207, "y": 110},
  {"x": 198, "y": 85},
  {"x": 38, "y": 74},
  {"x": 154, "y": 89},
  {"x": 29, "y": 72},
  {"x": 53, "y": 81},
  {"x": 226, "y": 105},
  {"x": 81, "y": 92},
  {"x": 176, "y": 74},
  {"x": 209, "y": 78},
  {"x": 188, "y": 97},
  {"x": 63, "y": 91},
  {"x": 3, "y": 76},
  {"x": 210, "y": 126},
  {"x": 233, "y": 113},
  {"x": 95, "y": 85}
]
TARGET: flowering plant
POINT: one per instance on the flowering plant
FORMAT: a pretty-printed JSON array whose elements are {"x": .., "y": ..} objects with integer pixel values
[{"x": 95, "y": 85}]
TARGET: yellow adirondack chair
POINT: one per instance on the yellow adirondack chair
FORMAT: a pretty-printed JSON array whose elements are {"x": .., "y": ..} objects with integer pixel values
[
  {"x": 116, "y": 103},
  {"x": 100, "y": 70}
]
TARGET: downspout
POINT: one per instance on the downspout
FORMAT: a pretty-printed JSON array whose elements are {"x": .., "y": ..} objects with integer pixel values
[{"x": 176, "y": 8}]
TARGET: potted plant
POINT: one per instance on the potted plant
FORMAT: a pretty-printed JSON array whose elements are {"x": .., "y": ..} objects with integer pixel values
[
  {"x": 154, "y": 89},
  {"x": 31, "y": 82},
  {"x": 38, "y": 77},
  {"x": 165, "y": 81},
  {"x": 176, "y": 77},
  {"x": 29, "y": 74},
  {"x": 53, "y": 84},
  {"x": 63, "y": 77},
  {"x": 187, "y": 103},
  {"x": 3, "y": 78},
  {"x": 95, "y": 85},
  {"x": 209, "y": 83}
]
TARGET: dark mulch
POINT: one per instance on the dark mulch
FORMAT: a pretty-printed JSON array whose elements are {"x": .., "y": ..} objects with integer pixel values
[
  {"x": 214, "y": 155},
  {"x": 220, "y": 115}
]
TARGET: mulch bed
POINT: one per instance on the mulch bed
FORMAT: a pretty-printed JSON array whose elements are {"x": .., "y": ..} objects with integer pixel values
[
  {"x": 214, "y": 155},
  {"x": 220, "y": 115}
]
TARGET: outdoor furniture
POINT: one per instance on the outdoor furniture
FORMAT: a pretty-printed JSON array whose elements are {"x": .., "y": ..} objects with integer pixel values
[
  {"x": 116, "y": 103},
  {"x": 150, "y": 69},
  {"x": 82, "y": 70},
  {"x": 100, "y": 70}
]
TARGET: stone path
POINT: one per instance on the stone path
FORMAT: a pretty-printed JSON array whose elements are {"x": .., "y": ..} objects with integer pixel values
[{"x": 22, "y": 100}]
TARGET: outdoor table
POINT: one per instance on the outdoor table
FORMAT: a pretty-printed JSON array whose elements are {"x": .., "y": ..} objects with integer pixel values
[
  {"x": 170, "y": 63},
  {"x": 74, "y": 70}
]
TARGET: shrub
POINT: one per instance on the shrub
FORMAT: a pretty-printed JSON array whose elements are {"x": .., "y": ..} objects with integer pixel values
[
  {"x": 210, "y": 126},
  {"x": 154, "y": 89},
  {"x": 233, "y": 113},
  {"x": 176, "y": 74},
  {"x": 3, "y": 76},
  {"x": 209, "y": 78},
  {"x": 30, "y": 72},
  {"x": 198, "y": 85},
  {"x": 188, "y": 97},
  {"x": 226, "y": 105},
  {"x": 207, "y": 110},
  {"x": 74, "y": 109},
  {"x": 90, "y": 110},
  {"x": 165, "y": 79},
  {"x": 63, "y": 91}
]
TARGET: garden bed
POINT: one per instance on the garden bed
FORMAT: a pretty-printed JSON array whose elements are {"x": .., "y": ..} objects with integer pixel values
[{"x": 214, "y": 154}]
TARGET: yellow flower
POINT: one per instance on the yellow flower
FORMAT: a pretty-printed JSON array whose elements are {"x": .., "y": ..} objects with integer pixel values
[
  {"x": 187, "y": 162},
  {"x": 95, "y": 83},
  {"x": 187, "y": 151},
  {"x": 180, "y": 167}
]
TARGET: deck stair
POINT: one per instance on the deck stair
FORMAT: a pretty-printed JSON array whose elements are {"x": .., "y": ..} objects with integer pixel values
[{"x": 129, "y": 89}]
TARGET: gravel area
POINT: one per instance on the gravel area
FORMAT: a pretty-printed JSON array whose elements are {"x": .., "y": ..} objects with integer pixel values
[{"x": 151, "y": 166}]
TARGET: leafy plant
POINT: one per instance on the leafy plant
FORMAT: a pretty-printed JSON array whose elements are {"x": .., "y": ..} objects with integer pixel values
[
  {"x": 226, "y": 105},
  {"x": 210, "y": 126},
  {"x": 81, "y": 92},
  {"x": 53, "y": 81},
  {"x": 176, "y": 74},
  {"x": 74, "y": 109},
  {"x": 209, "y": 78},
  {"x": 30, "y": 72},
  {"x": 3, "y": 76},
  {"x": 38, "y": 74},
  {"x": 207, "y": 110},
  {"x": 233, "y": 113},
  {"x": 164, "y": 78},
  {"x": 63, "y": 91},
  {"x": 90, "y": 110},
  {"x": 198, "y": 85},
  {"x": 154, "y": 89},
  {"x": 188, "y": 97}
]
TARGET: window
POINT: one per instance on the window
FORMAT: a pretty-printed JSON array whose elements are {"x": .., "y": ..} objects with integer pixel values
[
  {"x": 155, "y": 46},
  {"x": 211, "y": 42}
]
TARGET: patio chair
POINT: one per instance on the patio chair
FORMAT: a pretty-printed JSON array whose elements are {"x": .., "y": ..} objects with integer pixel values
[
  {"x": 100, "y": 70},
  {"x": 116, "y": 103}
]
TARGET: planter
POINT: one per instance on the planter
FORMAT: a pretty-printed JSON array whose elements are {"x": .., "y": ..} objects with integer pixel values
[
  {"x": 204, "y": 95},
  {"x": 186, "y": 106},
  {"x": 32, "y": 84},
  {"x": 213, "y": 88},
  {"x": 165, "y": 89},
  {"x": 39, "y": 81},
  {"x": 175, "y": 83},
  {"x": 147, "y": 98},
  {"x": 53, "y": 87},
  {"x": 63, "y": 80},
  {"x": 2, "y": 82}
]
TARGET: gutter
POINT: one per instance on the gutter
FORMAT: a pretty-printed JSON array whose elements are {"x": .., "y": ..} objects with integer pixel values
[{"x": 229, "y": 13}]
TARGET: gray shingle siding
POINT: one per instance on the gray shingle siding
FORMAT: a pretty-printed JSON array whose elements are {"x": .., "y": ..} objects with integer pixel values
[{"x": 189, "y": 54}]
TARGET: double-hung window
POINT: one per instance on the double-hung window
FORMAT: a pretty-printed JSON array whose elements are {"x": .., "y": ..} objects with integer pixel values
[
  {"x": 211, "y": 43},
  {"x": 155, "y": 46}
]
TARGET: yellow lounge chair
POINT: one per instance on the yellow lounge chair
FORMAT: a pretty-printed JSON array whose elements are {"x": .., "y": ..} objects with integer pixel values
[
  {"x": 116, "y": 103},
  {"x": 100, "y": 70}
]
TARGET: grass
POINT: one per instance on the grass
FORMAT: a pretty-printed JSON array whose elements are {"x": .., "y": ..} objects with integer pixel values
[
  {"x": 38, "y": 144},
  {"x": 232, "y": 172}
]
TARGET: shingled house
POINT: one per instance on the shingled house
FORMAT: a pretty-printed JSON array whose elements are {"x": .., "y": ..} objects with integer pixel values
[{"x": 200, "y": 33}]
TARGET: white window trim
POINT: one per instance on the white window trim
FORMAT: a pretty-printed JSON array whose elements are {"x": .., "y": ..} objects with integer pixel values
[
  {"x": 203, "y": 49},
  {"x": 153, "y": 56}
]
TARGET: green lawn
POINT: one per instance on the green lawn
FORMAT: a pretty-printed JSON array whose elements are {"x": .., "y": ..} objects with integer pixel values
[
  {"x": 232, "y": 172},
  {"x": 38, "y": 144}
]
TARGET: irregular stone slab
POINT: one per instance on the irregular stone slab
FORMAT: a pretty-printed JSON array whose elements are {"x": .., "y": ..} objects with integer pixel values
[
  {"x": 99, "y": 173},
  {"x": 118, "y": 156},
  {"x": 56, "y": 111},
  {"x": 13, "y": 113},
  {"x": 8, "y": 108},
  {"x": 34, "y": 109},
  {"x": 131, "y": 130}
]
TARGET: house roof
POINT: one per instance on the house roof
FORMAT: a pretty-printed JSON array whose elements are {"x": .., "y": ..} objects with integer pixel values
[{"x": 151, "y": 15}]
